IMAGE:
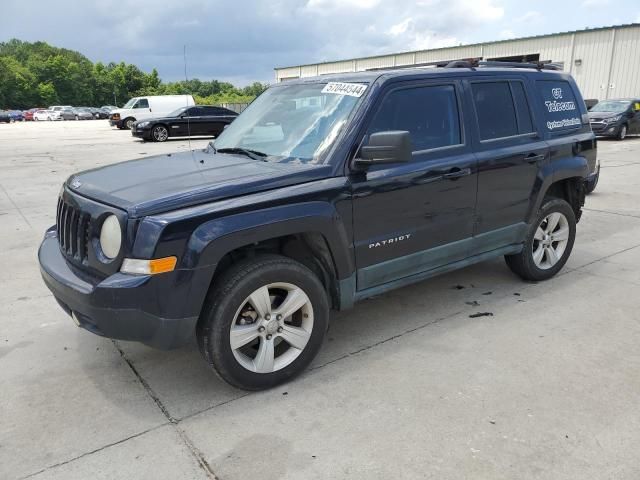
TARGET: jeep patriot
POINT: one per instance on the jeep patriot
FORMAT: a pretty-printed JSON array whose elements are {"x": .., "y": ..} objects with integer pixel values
[{"x": 323, "y": 192}]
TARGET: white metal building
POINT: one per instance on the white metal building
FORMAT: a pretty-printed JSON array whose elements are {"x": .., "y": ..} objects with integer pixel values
[{"x": 604, "y": 61}]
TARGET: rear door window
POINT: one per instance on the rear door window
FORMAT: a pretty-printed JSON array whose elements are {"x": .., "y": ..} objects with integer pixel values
[
  {"x": 559, "y": 105},
  {"x": 495, "y": 110},
  {"x": 523, "y": 110}
]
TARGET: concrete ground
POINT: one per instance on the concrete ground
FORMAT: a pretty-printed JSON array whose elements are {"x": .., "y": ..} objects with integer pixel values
[{"x": 408, "y": 385}]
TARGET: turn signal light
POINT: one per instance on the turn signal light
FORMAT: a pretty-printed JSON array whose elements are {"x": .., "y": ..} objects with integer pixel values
[{"x": 148, "y": 267}]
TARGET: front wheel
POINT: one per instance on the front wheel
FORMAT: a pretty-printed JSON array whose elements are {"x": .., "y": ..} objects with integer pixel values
[
  {"x": 159, "y": 133},
  {"x": 548, "y": 243},
  {"x": 128, "y": 123},
  {"x": 263, "y": 322},
  {"x": 622, "y": 133}
]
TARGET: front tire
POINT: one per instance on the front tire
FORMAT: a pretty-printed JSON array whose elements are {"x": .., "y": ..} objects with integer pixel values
[
  {"x": 263, "y": 322},
  {"x": 128, "y": 123},
  {"x": 548, "y": 243},
  {"x": 622, "y": 134},
  {"x": 159, "y": 133}
]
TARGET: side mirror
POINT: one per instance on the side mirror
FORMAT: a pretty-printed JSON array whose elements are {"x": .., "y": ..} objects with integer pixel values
[{"x": 385, "y": 147}]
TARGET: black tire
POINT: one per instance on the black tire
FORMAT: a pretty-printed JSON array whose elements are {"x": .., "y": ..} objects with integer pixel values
[
  {"x": 590, "y": 185},
  {"x": 228, "y": 294},
  {"x": 128, "y": 123},
  {"x": 523, "y": 264},
  {"x": 622, "y": 133},
  {"x": 159, "y": 133}
]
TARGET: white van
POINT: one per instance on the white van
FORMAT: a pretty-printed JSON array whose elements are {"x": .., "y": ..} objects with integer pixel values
[
  {"x": 142, "y": 108},
  {"x": 57, "y": 108}
]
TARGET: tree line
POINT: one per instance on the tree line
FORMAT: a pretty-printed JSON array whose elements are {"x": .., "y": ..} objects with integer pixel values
[{"x": 38, "y": 75}]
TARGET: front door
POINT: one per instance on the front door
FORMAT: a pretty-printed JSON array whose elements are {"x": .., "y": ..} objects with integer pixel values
[{"x": 412, "y": 217}]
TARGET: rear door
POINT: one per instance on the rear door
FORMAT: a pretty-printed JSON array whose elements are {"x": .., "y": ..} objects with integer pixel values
[
  {"x": 216, "y": 118},
  {"x": 510, "y": 152}
]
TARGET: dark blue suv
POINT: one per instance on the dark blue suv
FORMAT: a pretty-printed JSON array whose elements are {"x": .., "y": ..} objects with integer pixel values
[{"x": 323, "y": 192}]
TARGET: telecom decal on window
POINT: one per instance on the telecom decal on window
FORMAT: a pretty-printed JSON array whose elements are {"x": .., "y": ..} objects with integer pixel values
[
  {"x": 342, "y": 88},
  {"x": 560, "y": 106}
]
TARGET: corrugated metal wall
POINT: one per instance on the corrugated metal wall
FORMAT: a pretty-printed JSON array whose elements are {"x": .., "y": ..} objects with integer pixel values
[{"x": 605, "y": 62}]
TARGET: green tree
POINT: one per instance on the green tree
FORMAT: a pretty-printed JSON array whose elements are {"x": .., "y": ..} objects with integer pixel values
[{"x": 38, "y": 74}]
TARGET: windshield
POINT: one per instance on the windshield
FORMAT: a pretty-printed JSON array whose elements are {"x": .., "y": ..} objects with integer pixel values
[
  {"x": 616, "y": 106},
  {"x": 177, "y": 112},
  {"x": 291, "y": 123},
  {"x": 130, "y": 103}
]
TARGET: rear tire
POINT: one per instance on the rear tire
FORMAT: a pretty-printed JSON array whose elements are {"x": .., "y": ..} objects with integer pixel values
[
  {"x": 548, "y": 243},
  {"x": 254, "y": 315}
]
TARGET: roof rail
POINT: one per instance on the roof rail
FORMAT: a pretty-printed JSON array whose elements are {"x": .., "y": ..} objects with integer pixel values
[
  {"x": 468, "y": 63},
  {"x": 474, "y": 63},
  {"x": 540, "y": 65}
]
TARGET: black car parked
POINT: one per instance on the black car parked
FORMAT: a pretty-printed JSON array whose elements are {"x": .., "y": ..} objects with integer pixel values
[
  {"x": 323, "y": 192},
  {"x": 616, "y": 118},
  {"x": 198, "y": 120}
]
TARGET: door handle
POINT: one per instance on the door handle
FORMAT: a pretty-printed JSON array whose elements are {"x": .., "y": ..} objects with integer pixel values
[
  {"x": 456, "y": 172},
  {"x": 533, "y": 158}
]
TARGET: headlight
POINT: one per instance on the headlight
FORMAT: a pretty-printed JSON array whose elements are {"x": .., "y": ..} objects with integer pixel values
[
  {"x": 142, "y": 124},
  {"x": 613, "y": 119},
  {"x": 110, "y": 237}
]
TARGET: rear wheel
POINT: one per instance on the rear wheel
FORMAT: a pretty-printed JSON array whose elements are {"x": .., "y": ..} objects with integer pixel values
[
  {"x": 264, "y": 321},
  {"x": 159, "y": 133},
  {"x": 548, "y": 243}
]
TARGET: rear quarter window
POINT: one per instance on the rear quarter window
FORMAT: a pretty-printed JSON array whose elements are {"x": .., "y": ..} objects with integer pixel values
[{"x": 560, "y": 107}]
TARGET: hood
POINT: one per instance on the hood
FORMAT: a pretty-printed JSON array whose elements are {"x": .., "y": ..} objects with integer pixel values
[
  {"x": 603, "y": 114},
  {"x": 165, "y": 182}
]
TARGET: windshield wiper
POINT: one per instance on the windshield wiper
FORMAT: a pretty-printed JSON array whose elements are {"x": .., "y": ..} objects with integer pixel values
[{"x": 253, "y": 154}]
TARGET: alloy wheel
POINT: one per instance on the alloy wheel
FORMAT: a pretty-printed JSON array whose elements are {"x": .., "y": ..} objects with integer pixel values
[
  {"x": 160, "y": 134},
  {"x": 550, "y": 240},
  {"x": 271, "y": 328}
]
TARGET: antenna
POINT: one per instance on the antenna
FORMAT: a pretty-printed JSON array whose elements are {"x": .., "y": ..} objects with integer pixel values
[{"x": 186, "y": 79}]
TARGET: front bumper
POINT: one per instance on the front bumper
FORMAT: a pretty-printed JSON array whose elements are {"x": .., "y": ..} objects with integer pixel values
[
  {"x": 115, "y": 123},
  {"x": 117, "y": 306},
  {"x": 144, "y": 133},
  {"x": 602, "y": 129}
]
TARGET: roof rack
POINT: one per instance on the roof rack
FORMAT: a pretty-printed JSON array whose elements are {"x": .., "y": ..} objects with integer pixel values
[{"x": 474, "y": 63}]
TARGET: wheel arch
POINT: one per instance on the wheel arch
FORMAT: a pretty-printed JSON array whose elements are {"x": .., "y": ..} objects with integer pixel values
[{"x": 310, "y": 232}]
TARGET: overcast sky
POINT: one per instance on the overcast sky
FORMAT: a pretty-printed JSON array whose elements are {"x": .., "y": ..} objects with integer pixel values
[{"x": 242, "y": 40}]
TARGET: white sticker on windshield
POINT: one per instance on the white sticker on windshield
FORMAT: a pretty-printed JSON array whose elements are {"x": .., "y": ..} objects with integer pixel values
[{"x": 341, "y": 88}]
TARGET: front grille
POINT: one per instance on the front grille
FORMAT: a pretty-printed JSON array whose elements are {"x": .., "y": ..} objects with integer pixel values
[{"x": 73, "y": 231}]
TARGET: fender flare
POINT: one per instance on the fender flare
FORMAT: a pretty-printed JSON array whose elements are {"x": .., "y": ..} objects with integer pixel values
[
  {"x": 213, "y": 239},
  {"x": 556, "y": 171}
]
